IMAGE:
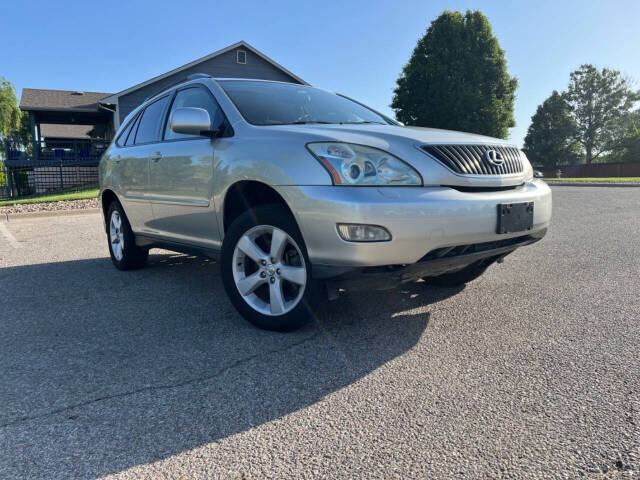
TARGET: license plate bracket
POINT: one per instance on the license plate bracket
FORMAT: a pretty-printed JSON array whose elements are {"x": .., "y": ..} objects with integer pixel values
[{"x": 515, "y": 217}]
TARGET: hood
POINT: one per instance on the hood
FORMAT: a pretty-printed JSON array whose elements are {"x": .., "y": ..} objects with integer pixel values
[
  {"x": 405, "y": 143},
  {"x": 419, "y": 135}
]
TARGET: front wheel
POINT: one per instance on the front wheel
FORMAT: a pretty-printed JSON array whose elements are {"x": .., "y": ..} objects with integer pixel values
[
  {"x": 266, "y": 271},
  {"x": 124, "y": 252}
]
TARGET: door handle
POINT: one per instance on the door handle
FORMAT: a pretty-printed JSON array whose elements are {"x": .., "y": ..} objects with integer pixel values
[{"x": 156, "y": 156}]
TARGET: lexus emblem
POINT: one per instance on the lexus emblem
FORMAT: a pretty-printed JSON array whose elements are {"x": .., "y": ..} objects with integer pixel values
[{"x": 493, "y": 157}]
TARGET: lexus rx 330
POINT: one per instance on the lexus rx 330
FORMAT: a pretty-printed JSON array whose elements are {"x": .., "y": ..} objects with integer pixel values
[{"x": 302, "y": 194}]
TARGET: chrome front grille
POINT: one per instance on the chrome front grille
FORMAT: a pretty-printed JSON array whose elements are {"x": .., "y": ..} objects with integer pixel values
[{"x": 474, "y": 160}]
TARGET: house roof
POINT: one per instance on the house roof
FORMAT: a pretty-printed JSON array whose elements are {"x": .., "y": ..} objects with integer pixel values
[
  {"x": 50, "y": 130},
  {"x": 70, "y": 100},
  {"x": 113, "y": 97}
]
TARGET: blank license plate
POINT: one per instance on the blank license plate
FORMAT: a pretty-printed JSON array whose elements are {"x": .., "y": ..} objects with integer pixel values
[{"x": 515, "y": 217}]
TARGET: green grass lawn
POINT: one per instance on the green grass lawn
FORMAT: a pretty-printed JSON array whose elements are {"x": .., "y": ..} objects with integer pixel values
[
  {"x": 54, "y": 197},
  {"x": 595, "y": 179}
]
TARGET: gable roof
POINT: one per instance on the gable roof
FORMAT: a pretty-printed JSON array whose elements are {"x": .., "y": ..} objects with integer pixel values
[
  {"x": 112, "y": 98},
  {"x": 39, "y": 99}
]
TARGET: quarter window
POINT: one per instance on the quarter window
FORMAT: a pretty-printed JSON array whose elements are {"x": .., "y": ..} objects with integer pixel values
[
  {"x": 132, "y": 134},
  {"x": 199, "y": 98},
  {"x": 122, "y": 139},
  {"x": 149, "y": 128}
]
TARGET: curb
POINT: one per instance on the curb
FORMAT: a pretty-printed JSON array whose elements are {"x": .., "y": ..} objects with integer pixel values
[
  {"x": 6, "y": 217},
  {"x": 593, "y": 184}
]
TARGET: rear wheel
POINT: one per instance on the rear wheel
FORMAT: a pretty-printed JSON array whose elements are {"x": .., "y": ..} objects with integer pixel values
[
  {"x": 460, "y": 277},
  {"x": 124, "y": 252},
  {"x": 266, "y": 270}
]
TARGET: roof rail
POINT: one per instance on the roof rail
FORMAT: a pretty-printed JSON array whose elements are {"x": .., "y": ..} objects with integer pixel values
[{"x": 193, "y": 76}]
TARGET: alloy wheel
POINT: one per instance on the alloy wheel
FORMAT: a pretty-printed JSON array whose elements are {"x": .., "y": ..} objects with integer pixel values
[
  {"x": 269, "y": 270},
  {"x": 116, "y": 235}
]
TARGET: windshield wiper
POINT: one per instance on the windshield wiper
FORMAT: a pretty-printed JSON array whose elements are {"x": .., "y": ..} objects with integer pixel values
[
  {"x": 359, "y": 123},
  {"x": 312, "y": 122},
  {"x": 304, "y": 122}
]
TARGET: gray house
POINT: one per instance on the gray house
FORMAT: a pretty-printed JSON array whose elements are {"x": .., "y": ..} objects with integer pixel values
[
  {"x": 77, "y": 125},
  {"x": 239, "y": 60}
]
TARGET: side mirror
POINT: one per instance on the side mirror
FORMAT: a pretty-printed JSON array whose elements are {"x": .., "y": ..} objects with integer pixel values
[{"x": 191, "y": 121}]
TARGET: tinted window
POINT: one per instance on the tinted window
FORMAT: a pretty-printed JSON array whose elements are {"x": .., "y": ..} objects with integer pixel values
[
  {"x": 195, "y": 97},
  {"x": 149, "y": 128},
  {"x": 132, "y": 134},
  {"x": 269, "y": 103},
  {"x": 122, "y": 139},
  {"x": 123, "y": 136}
]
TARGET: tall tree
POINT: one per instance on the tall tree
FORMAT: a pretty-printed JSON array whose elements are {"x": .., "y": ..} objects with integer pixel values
[
  {"x": 457, "y": 78},
  {"x": 550, "y": 139},
  {"x": 601, "y": 102},
  {"x": 13, "y": 122},
  {"x": 628, "y": 149},
  {"x": 10, "y": 114}
]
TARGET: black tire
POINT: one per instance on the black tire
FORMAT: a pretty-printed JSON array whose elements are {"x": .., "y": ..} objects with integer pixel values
[
  {"x": 279, "y": 217},
  {"x": 460, "y": 277},
  {"x": 133, "y": 257}
]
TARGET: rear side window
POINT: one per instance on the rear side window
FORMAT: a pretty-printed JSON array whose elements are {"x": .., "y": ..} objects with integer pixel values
[
  {"x": 195, "y": 97},
  {"x": 122, "y": 139},
  {"x": 149, "y": 128},
  {"x": 132, "y": 134}
]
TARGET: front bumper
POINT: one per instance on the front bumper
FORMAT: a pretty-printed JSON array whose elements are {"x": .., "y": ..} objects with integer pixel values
[
  {"x": 437, "y": 262},
  {"x": 420, "y": 220}
]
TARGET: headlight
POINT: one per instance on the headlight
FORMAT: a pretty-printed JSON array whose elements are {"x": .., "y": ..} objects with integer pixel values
[
  {"x": 527, "y": 169},
  {"x": 350, "y": 164}
]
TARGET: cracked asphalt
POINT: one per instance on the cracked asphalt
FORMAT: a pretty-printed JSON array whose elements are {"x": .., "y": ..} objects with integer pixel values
[{"x": 532, "y": 371}]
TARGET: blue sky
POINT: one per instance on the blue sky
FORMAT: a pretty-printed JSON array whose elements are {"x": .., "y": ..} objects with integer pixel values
[{"x": 355, "y": 47}]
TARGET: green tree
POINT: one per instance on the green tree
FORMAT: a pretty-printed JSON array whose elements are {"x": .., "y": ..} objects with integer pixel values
[
  {"x": 601, "y": 103},
  {"x": 10, "y": 114},
  {"x": 550, "y": 139},
  {"x": 628, "y": 150},
  {"x": 13, "y": 122},
  {"x": 457, "y": 78}
]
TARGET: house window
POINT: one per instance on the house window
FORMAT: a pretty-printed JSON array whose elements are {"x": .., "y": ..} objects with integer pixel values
[{"x": 241, "y": 57}]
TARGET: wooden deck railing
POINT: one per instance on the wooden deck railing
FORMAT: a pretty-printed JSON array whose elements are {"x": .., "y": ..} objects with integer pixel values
[{"x": 54, "y": 153}]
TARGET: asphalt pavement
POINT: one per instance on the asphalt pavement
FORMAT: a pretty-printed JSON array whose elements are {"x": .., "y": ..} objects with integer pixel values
[{"x": 531, "y": 371}]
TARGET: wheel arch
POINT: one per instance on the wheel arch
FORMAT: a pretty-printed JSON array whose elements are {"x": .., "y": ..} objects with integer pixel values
[
  {"x": 106, "y": 198},
  {"x": 247, "y": 194}
]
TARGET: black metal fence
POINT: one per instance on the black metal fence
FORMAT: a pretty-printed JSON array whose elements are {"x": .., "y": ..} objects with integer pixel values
[{"x": 49, "y": 167}]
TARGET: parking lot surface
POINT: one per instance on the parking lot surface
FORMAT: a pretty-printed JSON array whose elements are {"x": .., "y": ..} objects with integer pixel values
[{"x": 532, "y": 371}]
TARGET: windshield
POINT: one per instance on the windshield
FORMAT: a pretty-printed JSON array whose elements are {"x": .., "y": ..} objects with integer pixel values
[{"x": 270, "y": 103}]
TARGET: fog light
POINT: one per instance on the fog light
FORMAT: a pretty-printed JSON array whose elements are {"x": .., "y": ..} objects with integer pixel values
[{"x": 363, "y": 233}]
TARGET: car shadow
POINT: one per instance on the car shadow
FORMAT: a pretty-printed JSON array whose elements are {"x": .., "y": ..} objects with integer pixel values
[{"x": 104, "y": 370}]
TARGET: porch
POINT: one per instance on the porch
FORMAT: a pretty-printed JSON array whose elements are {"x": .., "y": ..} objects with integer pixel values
[
  {"x": 60, "y": 166},
  {"x": 70, "y": 130},
  {"x": 56, "y": 152}
]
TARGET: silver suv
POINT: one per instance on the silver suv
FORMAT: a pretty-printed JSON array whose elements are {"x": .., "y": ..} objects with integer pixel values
[{"x": 302, "y": 194}]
